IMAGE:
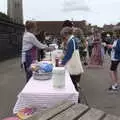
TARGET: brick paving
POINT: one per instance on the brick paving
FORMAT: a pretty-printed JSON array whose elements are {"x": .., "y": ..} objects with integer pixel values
[{"x": 94, "y": 83}]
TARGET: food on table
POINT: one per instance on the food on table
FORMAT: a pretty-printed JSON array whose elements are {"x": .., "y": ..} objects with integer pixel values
[
  {"x": 26, "y": 112},
  {"x": 46, "y": 67}
]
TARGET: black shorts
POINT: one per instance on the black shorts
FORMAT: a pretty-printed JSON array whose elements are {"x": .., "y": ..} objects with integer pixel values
[{"x": 114, "y": 65}]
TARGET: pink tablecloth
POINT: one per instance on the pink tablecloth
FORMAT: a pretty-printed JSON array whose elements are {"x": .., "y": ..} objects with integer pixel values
[{"x": 42, "y": 94}]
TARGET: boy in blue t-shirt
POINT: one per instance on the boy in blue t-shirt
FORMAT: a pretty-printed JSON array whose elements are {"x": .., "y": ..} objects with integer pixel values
[{"x": 115, "y": 60}]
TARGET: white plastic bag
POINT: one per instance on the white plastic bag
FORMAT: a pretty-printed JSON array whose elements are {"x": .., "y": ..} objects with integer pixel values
[{"x": 74, "y": 65}]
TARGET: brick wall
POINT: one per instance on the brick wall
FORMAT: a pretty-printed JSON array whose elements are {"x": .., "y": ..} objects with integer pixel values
[{"x": 10, "y": 39}]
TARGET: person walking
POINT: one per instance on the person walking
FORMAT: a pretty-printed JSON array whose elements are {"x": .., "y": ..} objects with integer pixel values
[
  {"x": 115, "y": 60},
  {"x": 96, "y": 59},
  {"x": 109, "y": 41},
  {"x": 41, "y": 53},
  {"x": 90, "y": 45},
  {"x": 72, "y": 63}
]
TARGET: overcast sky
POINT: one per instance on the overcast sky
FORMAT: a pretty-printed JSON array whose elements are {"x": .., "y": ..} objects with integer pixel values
[{"x": 94, "y": 11}]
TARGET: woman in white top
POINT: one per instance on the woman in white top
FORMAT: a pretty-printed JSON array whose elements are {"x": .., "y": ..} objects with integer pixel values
[{"x": 29, "y": 48}]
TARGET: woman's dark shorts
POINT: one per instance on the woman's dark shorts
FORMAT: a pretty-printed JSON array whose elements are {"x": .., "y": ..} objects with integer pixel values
[{"x": 114, "y": 65}]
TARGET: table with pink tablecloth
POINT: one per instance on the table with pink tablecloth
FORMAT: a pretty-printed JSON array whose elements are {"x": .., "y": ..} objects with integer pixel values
[{"x": 42, "y": 94}]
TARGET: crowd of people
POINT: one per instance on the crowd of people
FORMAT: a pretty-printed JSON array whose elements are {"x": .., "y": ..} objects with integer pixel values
[{"x": 92, "y": 49}]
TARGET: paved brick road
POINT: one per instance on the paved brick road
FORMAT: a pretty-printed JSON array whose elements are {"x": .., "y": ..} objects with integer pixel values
[
  {"x": 11, "y": 82},
  {"x": 94, "y": 83}
]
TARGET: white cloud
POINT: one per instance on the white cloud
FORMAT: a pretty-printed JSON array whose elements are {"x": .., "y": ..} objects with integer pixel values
[
  {"x": 3, "y": 6},
  {"x": 75, "y": 5},
  {"x": 94, "y": 11}
]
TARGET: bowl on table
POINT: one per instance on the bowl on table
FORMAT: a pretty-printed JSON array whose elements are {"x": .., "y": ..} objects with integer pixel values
[
  {"x": 42, "y": 76},
  {"x": 44, "y": 72}
]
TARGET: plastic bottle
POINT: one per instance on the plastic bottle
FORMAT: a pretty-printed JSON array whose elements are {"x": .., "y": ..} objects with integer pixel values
[{"x": 56, "y": 62}]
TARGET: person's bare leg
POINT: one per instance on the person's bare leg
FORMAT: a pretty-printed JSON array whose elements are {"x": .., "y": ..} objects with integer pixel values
[{"x": 114, "y": 77}]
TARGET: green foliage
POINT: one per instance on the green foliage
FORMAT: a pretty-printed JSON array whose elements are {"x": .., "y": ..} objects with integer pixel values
[{"x": 4, "y": 17}]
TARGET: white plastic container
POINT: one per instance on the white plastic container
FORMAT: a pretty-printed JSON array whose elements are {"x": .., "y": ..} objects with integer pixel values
[
  {"x": 58, "y": 77},
  {"x": 48, "y": 56}
]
